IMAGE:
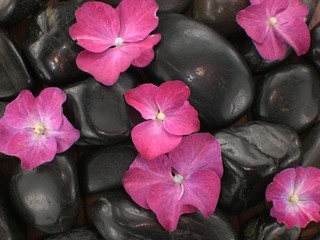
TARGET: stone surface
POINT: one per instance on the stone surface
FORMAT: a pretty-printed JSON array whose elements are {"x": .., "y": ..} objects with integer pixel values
[
  {"x": 116, "y": 216},
  {"x": 173, "y": 6},
  {"x": 314, "y": 50},
  {"x": 252, "y": 154},
  {"x": 12, "y": 11},
  {"x": 219, "y": 14},
  {"x": 102, "y": 168},
  {"x": 14, "y": 74},
  {"x": 312, "y": 5},
  {"x": 10, "y": 229},
  {"x": 100, "y": 112},
  {"x": 311, "y": 148},
  {"x": 289, "y": 95},
  {"x": 221, "y": 85},
  {"x": 317, "y": 237},
  {"x": 267, "y": 228},
  {"x": 47, "y": 197},
  {"x": 77, "y": 233},
  {"x": 49, "y": 48}
]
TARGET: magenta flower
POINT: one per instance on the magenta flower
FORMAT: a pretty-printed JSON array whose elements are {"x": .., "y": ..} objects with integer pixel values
[
  {"x": 184, "y": 181},
  {"x": 295, "y": 193},
  {"x": 35, "y": 129},
  {"x": 272, "y": 24},
  {"x": 115, "y": 38},
  {"x": 169, "y": 116}
]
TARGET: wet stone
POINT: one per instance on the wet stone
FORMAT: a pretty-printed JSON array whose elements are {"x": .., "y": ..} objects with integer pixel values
[
  {"x": 266, "y": 228},
  {"x": 47, "y": 197},
  {"x": 173, "y": 6},
  {"x": 220, "y": 83},
  {"x": 116, "y": 216},
  {"x": 314, "y": 50},
  {"x": 252, "y": 154},
  {"x": 102, "y": 168},
  {"x": 14, "y": 74},
  {"x": 12, "y": 11},
  {"x": 77, "y": 233},
  {"x": 289, "y": 95},
  {"x": 100, "y": 112},
  {"x": 220, "y": 15},
  {"x": 49, "y": 48},
  {"x": 311, "y": 148}
]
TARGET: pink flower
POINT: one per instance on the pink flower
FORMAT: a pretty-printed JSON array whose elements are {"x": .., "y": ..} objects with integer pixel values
[
  {"x": 184, "y": 181},
  {"x": 272, "y": 24},
  {"x": 295, "y": 193},
  {"x": 35, "y": 129},
  {"x": 115, "y": 38},
  {"x": 169, "y": 116}
]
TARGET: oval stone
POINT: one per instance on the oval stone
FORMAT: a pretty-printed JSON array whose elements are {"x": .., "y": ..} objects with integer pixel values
[
  {"x": 77, "y": 233},
  {"x": 116, "y": 217},
  {"x": 47, "y": 197},
  {"x": 252, "y": 154},
  {"x": 289, "y": 95},
  {"x": 311, "y": 148},
  {"x": 220, "y": 83},
  {"x": 314, "y": 50}
]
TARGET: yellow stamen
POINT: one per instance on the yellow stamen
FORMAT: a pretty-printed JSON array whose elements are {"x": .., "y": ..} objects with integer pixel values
[
  {"x": 294, "y": 198},
  {"x": 39, "y": 129},
  {"x": 272, "y": 21},
  {"x": 160, "y": 116}
]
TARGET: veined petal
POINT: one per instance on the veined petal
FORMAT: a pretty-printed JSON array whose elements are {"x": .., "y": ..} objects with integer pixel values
[
  {"x": 307, "y": 184},
  {"x": 107, "y": 66},
  {"x": 137, "y": 20},
  {"x": 296, "y": 9},
  {"x": 255, "y": 2},
  {"x": 6, "y": 132},
  {"x": 142, "y": 98},
  {"x": 275, "y": 7},
  {"x": 143, "y": 175},
  {"x": 65, "y": 136},
  {"x": 97, "y": 26},
  {"x": 197, "y": 152},
  {"x": 152, "y": 140},
  {"x": 31, "y": 149},
  {"x": 164, "y": 200},
  {"x": 296, "y": 34},
  {"x": 201, "y": 190},
  {"x": 171, "y": 95},
  {"x": 182, "y": 121}
]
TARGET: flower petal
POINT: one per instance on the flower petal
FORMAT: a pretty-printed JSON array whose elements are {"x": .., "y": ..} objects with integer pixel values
[
  {"x": 183, "y": 121},
  {"x": 296, "y": 34},
  {"x": 196, "y": 152},
  {"x": 171, "y": 95},
  {"x": 142, "y": 98},
  {"x": 164, "y": 201},
  {"x": 307, "y": 184},
  {"x": 143, "y": 174},
  {"x": 137, "y": 20},
  {"x": 31, "y": 149},
  {"x": 97, "y": 26},
  {"x": 295, "y": 9},
  {"x": 65, "y": 136},
  {"x": 6, "y": 132},
  {"x": 107, "y": 66},
  {"x": 255, "y": 2},
  {"x": 201, "y": 190},
  {"x": 152, "y": 140}
]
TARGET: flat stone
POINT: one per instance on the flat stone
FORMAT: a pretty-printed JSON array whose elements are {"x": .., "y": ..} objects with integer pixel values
[
  {"x": 77, "y": 233},
  {"x": 102, "y": 168},
  {"x": 311, "y": 148},
  {"x": 100, "y": 112},
  {"x": 289, "y": 95},
  {"x": 116, "y": 216},
  {"x": 220, "y": 83},
  {"x": 47, "y": 197},
  {"x": 252, "y": 154}
]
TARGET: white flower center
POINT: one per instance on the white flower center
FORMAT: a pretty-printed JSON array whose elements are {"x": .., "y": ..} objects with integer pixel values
[
  {"x": 178, "y": 178},
  {"x": 294, "y": 198},
  {"x": 119, "y": 42},
  {"x": 272, "y": 21},
  {"x": 160, "y": 116},
  {"x": 39, "y": 129}
]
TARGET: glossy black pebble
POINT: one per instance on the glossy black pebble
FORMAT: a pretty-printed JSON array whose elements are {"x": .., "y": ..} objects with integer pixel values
[
  {"x": 77, "y": 233},
  {"x": 311, "y": 148},
  {"x": 47, "y": 197}
]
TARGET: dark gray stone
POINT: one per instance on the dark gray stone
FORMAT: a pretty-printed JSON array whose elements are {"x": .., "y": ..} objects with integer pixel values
[
  {"x": 311, "y": 148},
  {"x": 77, "y": 233}
]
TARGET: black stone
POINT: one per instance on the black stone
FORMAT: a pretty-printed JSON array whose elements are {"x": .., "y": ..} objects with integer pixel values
[
  {"x": 116, "y": 216},
  {"x": 50, "y": 49},
  {"x": 77, "y": 233},
  {"x": 289, "y": 95},
  {"x": 99, "y": 111},
  {"x": 311, "y": 148},
  {"x": 12, "y": 11},
  {"x": 317, "y": 237},
  {"x": 314, "y": 50},
  {"x": 221, "y": 85},
  {"x": 47, "y": 197},
  {"x": 10, "y": 229},
  {"x": 219, "y": 14},
  {"x": 266, "y": 228},
  {"x": 173, "y": 6},
  {"x": 252, "y": 154},
  {"x": 312, "y": 5},
  {"x": 102, "y": 168},
  {"x": 13, "y": 71}
]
